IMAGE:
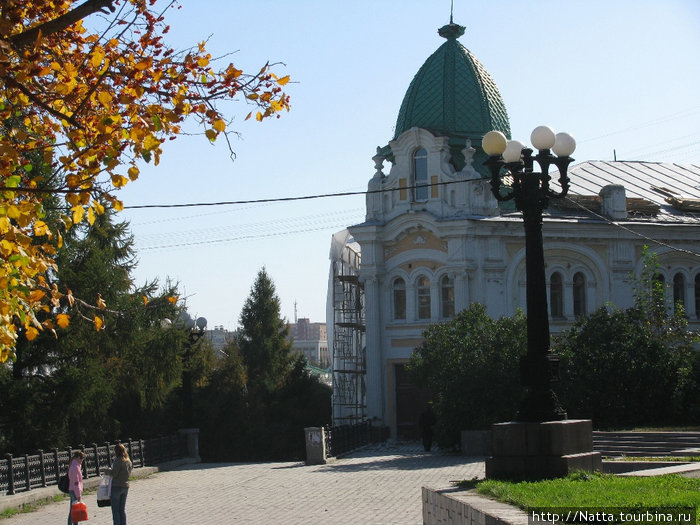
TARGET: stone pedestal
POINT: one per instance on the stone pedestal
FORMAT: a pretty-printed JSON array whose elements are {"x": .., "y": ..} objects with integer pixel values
[
  {"x": 315, "y": 446},
  {"x": 542, "y": 450},
  {"x": 192, "y": 436}
]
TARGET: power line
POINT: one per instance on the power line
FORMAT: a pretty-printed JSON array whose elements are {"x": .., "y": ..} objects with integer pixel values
[{"x": 297, "y": 198}]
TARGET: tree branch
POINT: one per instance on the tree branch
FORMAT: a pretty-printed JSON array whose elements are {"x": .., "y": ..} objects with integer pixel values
[{"x": 71, "y": 17}]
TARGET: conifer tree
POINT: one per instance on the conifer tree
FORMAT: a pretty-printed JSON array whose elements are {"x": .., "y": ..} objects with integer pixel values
[{"x": 263, "y": 340}]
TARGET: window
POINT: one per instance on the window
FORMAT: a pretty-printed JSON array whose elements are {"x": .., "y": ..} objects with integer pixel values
[
  {"x": 447, "y": 297},
  {"x": 678, "y": 289},
  {"x": 423, "y": 290},
  {"x": 556, "y": 296},
  {"x": 579, "y": 294},
  {"x": 420, "y": 175},
  {"x": 399, "y": 299}
]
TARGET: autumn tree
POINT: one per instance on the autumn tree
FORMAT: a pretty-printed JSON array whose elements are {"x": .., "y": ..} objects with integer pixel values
[{"x": 89, "y": 106}]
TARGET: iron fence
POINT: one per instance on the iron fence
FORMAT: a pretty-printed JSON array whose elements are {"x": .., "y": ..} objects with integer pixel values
[
  {"x": 344, "y": 438},
  {"x": 27, "y": 472}
]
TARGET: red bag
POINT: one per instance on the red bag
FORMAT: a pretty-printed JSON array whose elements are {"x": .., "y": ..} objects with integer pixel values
[{"x": 78, "y": 512}]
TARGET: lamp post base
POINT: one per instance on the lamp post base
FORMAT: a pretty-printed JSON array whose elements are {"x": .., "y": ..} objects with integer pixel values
[{"x": 543, "y": 450}]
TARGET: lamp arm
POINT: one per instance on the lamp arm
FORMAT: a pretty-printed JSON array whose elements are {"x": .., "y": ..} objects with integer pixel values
[
  {"x": 562, "y": 163},
  {"x": 494, "y": 163}
]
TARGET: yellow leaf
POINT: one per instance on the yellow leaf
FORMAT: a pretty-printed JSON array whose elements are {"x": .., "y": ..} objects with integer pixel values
[
  {"x": 133, "y": 173},
  {"x": 219, "y": 125},
  {"x": 105, "y": 98},
  {"x": 101, "y": 302},
  {"x": 41, "y": 228},
  {"x": 145, "y": 299},
  {"x": 172, "y": 299},
  {"x": 13, "y": 212},
  {"x": 282, "y": 81},
  {"x": 119, "y": 181},
  {"x": 253, "y": 96},
  {"x": 150, "y": 142},
  {"x": 36, "y": 295},
  {"x": 78, "y": 214},
  {"x": 32, "y": 333},
  {"x": 91, "y": 216},
  {"x": 258, "y": 116},
  {"x": 211, "y": 134},
  {"x": 98, "y": 323},
  {"x": 63, "y": 320}
]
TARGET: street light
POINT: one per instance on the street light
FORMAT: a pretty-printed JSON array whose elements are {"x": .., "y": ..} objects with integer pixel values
[{"x": 530, "y": 190}]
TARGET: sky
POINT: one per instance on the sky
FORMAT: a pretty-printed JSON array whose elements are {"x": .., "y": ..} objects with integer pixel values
[{"x": 621, "y": 76}]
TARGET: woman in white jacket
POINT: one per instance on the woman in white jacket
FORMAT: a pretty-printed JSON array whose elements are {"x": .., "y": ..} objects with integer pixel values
[{"x": 120, "y": 472}]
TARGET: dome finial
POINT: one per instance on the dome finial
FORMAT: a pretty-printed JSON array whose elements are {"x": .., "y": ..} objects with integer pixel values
[{"x": 451, "y": 31}]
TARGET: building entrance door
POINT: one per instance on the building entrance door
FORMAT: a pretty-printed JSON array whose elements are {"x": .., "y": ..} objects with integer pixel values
[{"x": 410, "y": 402}]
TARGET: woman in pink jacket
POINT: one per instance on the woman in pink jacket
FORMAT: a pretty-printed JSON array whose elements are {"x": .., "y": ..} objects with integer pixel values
[{"x": 75, "y": 480}]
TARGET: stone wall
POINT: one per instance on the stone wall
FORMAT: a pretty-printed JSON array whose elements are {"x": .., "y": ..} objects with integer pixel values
[{"x": 455, "y": 506}]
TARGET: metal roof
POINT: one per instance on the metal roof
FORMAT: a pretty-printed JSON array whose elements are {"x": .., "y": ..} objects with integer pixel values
[
  {"x": 654, "y": 182},
  {"x": 453, "y": 94}
]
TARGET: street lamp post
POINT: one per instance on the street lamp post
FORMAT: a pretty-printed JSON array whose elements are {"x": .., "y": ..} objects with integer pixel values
[{"x": 531, "y": 192}]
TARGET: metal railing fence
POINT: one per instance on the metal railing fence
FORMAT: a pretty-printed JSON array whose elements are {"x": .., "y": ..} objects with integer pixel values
[
  {"x": 344, "y": 438},
  {"x": 27, "y": 472}
]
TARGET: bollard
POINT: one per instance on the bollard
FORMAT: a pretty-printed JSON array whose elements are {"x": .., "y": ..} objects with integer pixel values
[{"x": 315, "y": 446}]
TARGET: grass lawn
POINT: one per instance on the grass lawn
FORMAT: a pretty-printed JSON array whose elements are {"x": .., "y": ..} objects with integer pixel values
[{"x": 597, "y": 491}]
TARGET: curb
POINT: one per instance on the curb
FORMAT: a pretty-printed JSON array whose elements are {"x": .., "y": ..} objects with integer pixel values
[{"x": 21, "y": 499}]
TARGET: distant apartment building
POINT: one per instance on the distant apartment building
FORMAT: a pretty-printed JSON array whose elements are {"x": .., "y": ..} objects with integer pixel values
[
  {"x": 310, "y": 340},
  {"x": 219, "y": 337}
]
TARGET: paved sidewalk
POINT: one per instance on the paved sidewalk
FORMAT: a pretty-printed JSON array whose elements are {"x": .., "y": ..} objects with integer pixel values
[{"x": 379, "y": 485}]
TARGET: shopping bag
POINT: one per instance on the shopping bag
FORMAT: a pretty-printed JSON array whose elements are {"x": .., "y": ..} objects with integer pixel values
[
  {"x": 104, "y": 490},
  {"x": 78, "y": 512}
]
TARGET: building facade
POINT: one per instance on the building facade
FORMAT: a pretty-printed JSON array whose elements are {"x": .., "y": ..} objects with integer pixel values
[
  {"x": 311, "y": 340},
  {"x": 435, "y": 240}
]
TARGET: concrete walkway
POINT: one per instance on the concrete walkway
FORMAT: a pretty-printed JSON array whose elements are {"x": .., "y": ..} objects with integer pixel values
[{"x": 379, "y": 485}]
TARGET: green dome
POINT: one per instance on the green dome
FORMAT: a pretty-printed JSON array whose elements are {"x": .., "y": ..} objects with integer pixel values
[{"x": 452, "y": 94}]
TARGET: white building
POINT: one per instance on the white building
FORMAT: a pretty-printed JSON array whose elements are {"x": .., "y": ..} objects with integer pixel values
[{"x": 435, "y": 240}]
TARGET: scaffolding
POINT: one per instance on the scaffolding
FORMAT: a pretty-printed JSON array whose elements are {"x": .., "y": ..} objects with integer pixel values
[{"x": 349, "y": 370}]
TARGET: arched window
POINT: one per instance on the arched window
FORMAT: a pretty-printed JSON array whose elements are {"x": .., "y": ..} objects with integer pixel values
[
  {"x": 678, "y": 289},
  {"x": 447, "y": 297},
  {"x": 399, "y": 290},
  {"x": 556, "y": 296},
  {"x": 420, "y": 175},
  {"x": 579, "y": 294},
  {"x": 423, "y": 291}
]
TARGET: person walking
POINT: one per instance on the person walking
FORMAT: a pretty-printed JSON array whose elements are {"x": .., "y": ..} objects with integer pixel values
[
  {"x": 75, "y": 481},
  {"x": 120, "y": 472},
  {"x": 425, "y": 422}
]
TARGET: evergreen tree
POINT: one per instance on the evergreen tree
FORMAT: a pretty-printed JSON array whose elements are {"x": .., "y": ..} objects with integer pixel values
[
  {"x": 80, "y": 385},
  {"x": 263, "y": 337},
  {"x": 261, "y": 397}
]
